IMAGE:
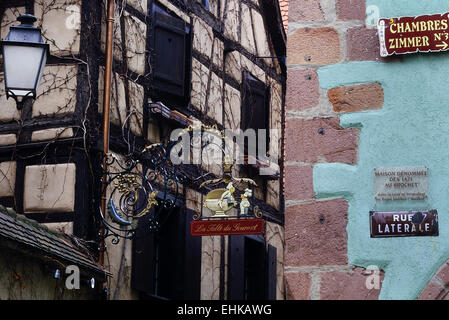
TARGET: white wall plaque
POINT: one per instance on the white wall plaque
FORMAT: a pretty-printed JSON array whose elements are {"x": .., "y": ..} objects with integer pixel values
[{"x": 400, "y": 183}]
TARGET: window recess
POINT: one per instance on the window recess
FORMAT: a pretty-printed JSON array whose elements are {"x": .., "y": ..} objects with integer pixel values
[{"x": 166, "y": 265}]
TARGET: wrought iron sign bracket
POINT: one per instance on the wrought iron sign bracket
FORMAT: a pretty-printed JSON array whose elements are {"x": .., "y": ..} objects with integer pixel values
[
  {"x": 137, "y": 188},
  {"x": 142, "y": 191}
]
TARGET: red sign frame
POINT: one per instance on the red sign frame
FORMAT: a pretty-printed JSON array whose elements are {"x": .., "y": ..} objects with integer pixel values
[
  {"x": 227, "y": 227},
  {"x": 426, "y": 33}
]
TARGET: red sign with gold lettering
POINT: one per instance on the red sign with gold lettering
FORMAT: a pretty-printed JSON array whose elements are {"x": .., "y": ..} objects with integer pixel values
[
  {"x": 227, "y": 227},
  {"x": 427, "y": 33}
]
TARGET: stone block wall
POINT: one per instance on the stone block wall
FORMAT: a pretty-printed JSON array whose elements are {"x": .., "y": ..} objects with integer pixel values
[
  {"x": 323, "y": 33},
  {"x": 348, "y": 111}
]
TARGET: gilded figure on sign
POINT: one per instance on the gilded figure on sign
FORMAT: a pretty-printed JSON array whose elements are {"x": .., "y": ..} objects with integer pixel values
[
  {"x": 245, "y": 204},
  {"x": 221, "y": 200}
]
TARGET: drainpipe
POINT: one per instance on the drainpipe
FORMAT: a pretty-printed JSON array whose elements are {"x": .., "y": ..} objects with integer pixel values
[{"x": 106, "y": 107}]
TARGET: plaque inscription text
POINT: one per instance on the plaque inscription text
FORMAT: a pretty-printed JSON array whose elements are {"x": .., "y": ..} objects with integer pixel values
[{"x": 400, "y": 183}]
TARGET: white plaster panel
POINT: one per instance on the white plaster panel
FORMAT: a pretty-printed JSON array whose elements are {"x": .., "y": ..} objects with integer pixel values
[
  {"x": 232, "y": 20},
  {"x": 210, "y": 268},
  {"x": 62, "y": 227},
  {"x": 140, "y": 5},
  {"x": 217, "y": 58},
  {"x": 232, "y": 108},
  {"x": 8, "y": 139},
  {"x": 56, "y": 95},
  {"x": 200, "y": 76},
  {"x": 252, "y": 68},
  {"x": 175, "y": 10},
  {"x": 49, "y": 188},
  {"x": 203, "y": 37},
  {"x": 233, "y": 66},
  {"x": 215, "y": 105},
  {"x": 10, "y": 19},
  {"x": 60, "y": 21},
  {"x": 117, "y": 111},
  {"x": 117, "y": 33},
  {"x": 248, "y": 41},
  {"x": 53, "y": 133},
  {"x": 136, "y": 97},
  {"x": 263, "y": 48},
  {"x": 8, "y": 106},
  {"x": 7, "y": 178},
  {"x": 273, "y": 194},
  {"x": 136, "y": 35}
]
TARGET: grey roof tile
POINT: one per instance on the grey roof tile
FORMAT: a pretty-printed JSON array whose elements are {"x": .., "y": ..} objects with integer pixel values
[{"x": 60, "y": 247}]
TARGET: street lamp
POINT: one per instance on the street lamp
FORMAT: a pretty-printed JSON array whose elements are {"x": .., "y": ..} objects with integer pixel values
[{"x": 24, "y": 57}]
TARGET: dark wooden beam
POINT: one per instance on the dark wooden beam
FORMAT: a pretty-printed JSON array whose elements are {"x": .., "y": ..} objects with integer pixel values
[
  {"x": 38, "y": 124},
  {"x": 13, "y": 3}
]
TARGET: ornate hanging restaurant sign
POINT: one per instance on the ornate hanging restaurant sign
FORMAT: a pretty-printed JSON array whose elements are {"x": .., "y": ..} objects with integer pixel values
[
  {"x": 227, "y": 193},
  {"x": 403, "y": 223},
  {"x": 427, "y": 33}
]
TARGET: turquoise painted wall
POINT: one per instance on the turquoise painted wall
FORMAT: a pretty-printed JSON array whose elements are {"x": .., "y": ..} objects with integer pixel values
[{"x": 412, "y": 129}]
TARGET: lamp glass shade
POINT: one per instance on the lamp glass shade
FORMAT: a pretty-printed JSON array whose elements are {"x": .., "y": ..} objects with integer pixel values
[{"x": 24, "y": 64}]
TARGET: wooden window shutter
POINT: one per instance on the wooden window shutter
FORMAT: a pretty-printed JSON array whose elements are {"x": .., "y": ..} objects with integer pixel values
[
  {"x": 271, "y": 272},
  {"x": 143, "y": 255},
  {"x": 255, "y": 269},
  {"x": 255, "y": 103},
  {"x": 170, "y": 256},
  {"x": 192, "y": 262},
  {"x": 167, "y": 264},
  {"x": 169, "y": 49},
  {"x": 255, "y": 106},
  {"x": 179, "y": 258}
]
